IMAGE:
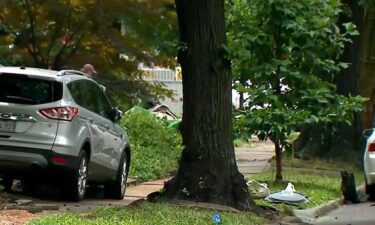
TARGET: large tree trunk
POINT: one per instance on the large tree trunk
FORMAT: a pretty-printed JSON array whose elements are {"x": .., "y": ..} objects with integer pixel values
[
  {"x": 208, "y": 171},
  {"x": 368, "y": 76},
  {"x": 340, "y": 141}
]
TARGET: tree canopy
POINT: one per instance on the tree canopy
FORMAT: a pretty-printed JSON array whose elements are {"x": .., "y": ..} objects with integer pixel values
[
  {"x": 113, "y": 35},
  {"x": 285, "y": 56}
]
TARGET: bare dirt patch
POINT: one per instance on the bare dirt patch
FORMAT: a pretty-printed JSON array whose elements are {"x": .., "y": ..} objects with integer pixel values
[{"x": 15, "y": 217}]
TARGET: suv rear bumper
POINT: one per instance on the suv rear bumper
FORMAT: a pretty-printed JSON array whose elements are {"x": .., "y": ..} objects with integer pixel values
[{"x": 21, "y": 162}]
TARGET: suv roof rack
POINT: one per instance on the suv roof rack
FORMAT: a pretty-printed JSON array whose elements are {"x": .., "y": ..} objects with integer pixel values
[{"x": 71, "y": 72}]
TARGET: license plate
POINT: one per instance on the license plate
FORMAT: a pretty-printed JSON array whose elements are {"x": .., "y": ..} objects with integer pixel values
[{"x": 7, "y": 126}]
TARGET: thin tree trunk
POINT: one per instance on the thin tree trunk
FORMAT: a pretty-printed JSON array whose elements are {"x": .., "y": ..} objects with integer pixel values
[
  {"x": 208, "y": 171},
  {"x": 278, "y": 156}
]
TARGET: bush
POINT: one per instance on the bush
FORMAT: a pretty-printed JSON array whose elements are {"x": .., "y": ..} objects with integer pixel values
[{"x": 155, "y": 148}]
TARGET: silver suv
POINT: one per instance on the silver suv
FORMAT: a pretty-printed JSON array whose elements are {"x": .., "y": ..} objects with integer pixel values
[{"x": 60, "y": 126}]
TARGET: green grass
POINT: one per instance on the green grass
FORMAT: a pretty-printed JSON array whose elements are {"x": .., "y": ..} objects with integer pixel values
[
  {"x": 319, "y": 164},
  {"x": 321, "y": 183},
  {"x": 150, "y": 214},
  {"x": 241, "y": 142}
]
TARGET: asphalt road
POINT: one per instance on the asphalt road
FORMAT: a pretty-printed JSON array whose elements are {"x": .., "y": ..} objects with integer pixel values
[{"x": 354, "y": 214}]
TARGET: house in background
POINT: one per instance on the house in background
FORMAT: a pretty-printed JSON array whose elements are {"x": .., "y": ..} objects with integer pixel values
[
  {"x": 163, "y": 111},
  {"x": 171, "y": 80}
]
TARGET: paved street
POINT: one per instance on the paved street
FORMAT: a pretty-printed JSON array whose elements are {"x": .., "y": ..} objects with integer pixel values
[
  {"x": 254, "y": 159},
  {"x": 355, "y": 214}
]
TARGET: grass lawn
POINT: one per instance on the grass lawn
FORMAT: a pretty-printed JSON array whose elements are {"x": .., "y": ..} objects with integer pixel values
[
  {"x": 150, "y": 213},
  {"x": 318, "y": 180}
]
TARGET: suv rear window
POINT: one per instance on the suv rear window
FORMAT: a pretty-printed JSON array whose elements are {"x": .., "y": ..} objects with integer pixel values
[{"x": 21, "y": 89}]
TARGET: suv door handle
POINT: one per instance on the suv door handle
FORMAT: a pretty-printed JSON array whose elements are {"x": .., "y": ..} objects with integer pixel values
[
  {"x": 91, "y": 120},
  {"x": 106, "y": 126}
]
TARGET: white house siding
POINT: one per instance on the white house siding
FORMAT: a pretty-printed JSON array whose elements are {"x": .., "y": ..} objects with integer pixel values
[{"x": 172, "y": 82}]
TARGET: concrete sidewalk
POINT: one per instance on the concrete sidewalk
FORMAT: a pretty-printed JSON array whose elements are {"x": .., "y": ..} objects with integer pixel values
[{"x": 250, "y": 161}]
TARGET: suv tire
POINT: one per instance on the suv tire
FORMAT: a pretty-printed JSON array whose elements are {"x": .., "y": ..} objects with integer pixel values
[
  {"x": 370, "y": 190},
  {"x": 30, "y": 186},
  {"x": 117, "y": 188},
  {"x": 77, "y": 182}
]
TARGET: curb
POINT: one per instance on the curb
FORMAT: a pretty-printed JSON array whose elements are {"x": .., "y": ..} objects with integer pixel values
[
  {"x": 310, "y": 215},
  {"x": 132, "y": 181}
]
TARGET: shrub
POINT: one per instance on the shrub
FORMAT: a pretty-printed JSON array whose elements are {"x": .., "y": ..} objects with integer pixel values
[{"x": 155, "y": 148}]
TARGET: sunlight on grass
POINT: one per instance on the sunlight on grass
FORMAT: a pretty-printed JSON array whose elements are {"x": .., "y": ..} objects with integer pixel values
[
  {"x": 315, "y": 179},
  {"x": 152, "y": 214},
  {"x": 319, "y": 164}
]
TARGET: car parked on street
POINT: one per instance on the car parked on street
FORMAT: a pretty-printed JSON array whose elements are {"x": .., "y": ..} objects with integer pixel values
[
  {"x": 369, "y": 162},
  {"x": 60, "y": 126}
]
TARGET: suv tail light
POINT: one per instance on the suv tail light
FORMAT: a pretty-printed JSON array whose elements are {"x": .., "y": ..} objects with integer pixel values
[
  {"x": 66, "y": 113},
  {"x": 371, "y": 147}
]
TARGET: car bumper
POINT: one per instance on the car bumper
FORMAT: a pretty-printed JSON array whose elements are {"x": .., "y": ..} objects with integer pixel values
[
  {"x": 19, "y": 162},
  {"x": 369, "y": 166},
  {"x": 370, "y": 178}
]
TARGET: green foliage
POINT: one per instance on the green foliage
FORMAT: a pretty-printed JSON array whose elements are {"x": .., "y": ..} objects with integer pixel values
[
  {"x": 151, "y": 213},
  {"x": 9, "y": 59},
  {"x": 67, "y": 34},
  {"x": 284, "y": 55},
  {"x": 53, "y": 32},
  {"x": 155, "y": 148},
  {"x": 240, "y": 142},
  {"x": 370, "y": 4}
]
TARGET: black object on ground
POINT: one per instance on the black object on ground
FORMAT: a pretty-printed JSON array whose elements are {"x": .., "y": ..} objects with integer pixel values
[{"x": 348, "y": 187}]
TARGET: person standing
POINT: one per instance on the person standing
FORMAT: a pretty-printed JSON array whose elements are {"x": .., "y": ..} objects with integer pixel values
[{"x": 89, "y": 69}]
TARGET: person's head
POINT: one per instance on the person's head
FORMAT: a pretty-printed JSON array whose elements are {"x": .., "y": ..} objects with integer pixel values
[{"x": 89, "y": 69}]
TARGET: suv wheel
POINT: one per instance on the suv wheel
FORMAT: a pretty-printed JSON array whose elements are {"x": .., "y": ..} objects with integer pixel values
[
  {"x": 116, "y": 189},
  {"x": 78, "y": 181},
  {"x": 30, "y": 186},
  {"x": 370, "y": 190}
]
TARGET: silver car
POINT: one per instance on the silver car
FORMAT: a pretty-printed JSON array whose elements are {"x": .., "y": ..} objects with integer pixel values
[
  {"x": 60, "y": 126},
  {"x": 369, "y": 163}
]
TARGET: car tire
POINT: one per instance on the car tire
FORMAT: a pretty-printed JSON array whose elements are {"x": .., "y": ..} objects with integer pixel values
[
  {"x": 370, "y": 191},
  {"x": 7, "y": 183},
  {"x": 116, "y": 189},
  {"x": 77, "y": 182},
  {"x": 30, "y": 186}
]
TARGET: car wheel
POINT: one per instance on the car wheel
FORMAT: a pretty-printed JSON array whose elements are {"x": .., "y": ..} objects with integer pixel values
[
  {"x": 30, "y": 186},
  {"x": 7, "y": 183},
  {"x": 78, "y": 181},
  {"x": 370, "y": 190},
  {"x": 116, "y": 189}
]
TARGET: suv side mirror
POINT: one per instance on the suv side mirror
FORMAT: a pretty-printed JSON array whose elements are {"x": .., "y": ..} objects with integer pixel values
[
  {"x": 367, "y": 133},
  {"x": 116, "y": 114}
]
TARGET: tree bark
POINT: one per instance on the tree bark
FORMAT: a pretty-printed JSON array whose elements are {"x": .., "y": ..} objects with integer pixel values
[
  {"x": 368, "y": 75},
  {"x": 208, "y": 171},
  {"x": 278, "y": 157},
  {"x": 340, "y": 141}
]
